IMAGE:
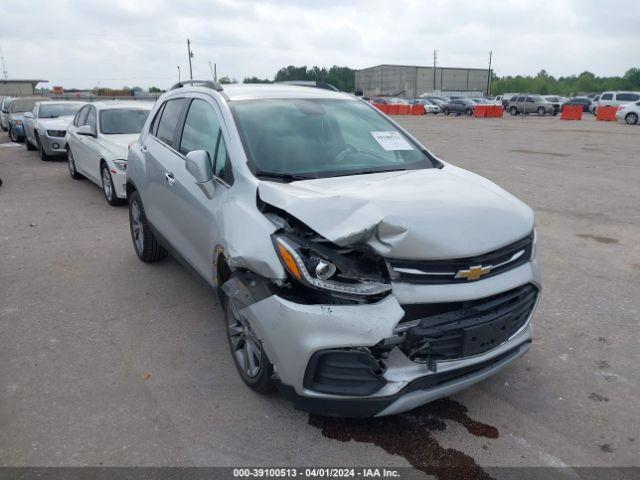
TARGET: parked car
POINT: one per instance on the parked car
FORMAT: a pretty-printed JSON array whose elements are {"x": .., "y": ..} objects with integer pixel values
[
  {"x": 615, "y": 99},
  {"x": 584, "y": 102},
  {"x": 438, "y": 100},
  {"x": 17, "y": 108},
  {"x": 98, "y": 140},
  {"x": 46, "y": 126},
  {"x": 594, "y": 104},
  {"x": 504, "y": 98},
  {"x": 357, "y": 272},
  {"x": 629, "y": 112},
  {"x": 556, "y": 101},
  {"x": 4, "y": 113},
  {"x": 429, "y": 107},
  {"x": 530, "y": 104},
  {"x": 390, "y": 101},
  {"x": 459, "y": 106}
]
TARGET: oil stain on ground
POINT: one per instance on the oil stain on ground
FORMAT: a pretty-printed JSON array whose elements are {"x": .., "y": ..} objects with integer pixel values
[
  {"x": 535, "y": 152},
  {"x": 597, "y": 238},
  {"x": 410, "y": 436}
]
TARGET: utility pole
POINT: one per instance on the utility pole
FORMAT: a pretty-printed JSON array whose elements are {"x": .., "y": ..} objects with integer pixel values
[
  {"x": 178, "y": 73},
  {"x": 190, "y": 53},
  {"x": 4, "y": 68},
  {"x": 215, "y": 72},
  {"x": 489, "y": 76},
  {"x": 435, "y": 57},
  {"x": 213, "y": 76}
]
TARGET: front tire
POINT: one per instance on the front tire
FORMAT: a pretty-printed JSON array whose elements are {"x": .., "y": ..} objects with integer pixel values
[
  {"x": 631, "y": 118},
  {"x": 43, "y": 155},
  {"x": 469, "y": 112},
  {"x": 513, "y": 111},
  {"x": 250, "y": 359},
  {"x": 13, "y": 135},
  {"x": 145, "y": 244},
  {"x": 108, "y": 188},
  {"x": 446, "y": 111},
  {"x": 28, "y": 144},
  {"x": 71, "y": 164}
]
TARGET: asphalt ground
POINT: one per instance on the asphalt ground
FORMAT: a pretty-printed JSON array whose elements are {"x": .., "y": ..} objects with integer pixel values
[{"x": 108, "y": 361}]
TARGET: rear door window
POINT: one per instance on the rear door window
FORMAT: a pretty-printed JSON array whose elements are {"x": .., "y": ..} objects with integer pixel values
[
  {"x": 627, "y": 97},
  {"x": 169, "y": 121}
]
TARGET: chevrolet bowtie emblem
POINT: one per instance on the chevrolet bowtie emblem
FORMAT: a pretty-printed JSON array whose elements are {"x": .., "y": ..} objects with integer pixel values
[{"x": 473, "y": 273}]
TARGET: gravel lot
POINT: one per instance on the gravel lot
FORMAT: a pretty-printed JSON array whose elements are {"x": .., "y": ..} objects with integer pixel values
[{"x": 105, "y": 360}]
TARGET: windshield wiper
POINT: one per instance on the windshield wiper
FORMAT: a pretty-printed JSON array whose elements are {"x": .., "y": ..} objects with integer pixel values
[
  {"x": 373, "y": 170},
  {"x": 283, "y": 176}
]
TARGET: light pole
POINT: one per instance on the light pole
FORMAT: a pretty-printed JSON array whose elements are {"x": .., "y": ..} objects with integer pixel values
[
  {"x": 178, "y": 73},
  {"x": 190, "y": 53}
]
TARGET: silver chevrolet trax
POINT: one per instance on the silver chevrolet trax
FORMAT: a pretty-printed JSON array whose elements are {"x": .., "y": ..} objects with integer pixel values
[{"x": 359, "y": 274}]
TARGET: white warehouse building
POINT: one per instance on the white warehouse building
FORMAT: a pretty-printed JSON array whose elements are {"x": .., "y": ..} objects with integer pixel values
[{"x": 410, "y": 81}]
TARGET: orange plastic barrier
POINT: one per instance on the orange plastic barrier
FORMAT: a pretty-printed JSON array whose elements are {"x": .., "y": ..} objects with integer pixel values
[
  {"x": 417, "y": 109},
  {"x": 382, "y": 107},
  {"x": 404, "y": 109},
  {"x": 393, "y": 109},
  {"x": 571, "y": 112},
  {"x": 496, "y": 111},
  {"x": 607, "y": 114},
  {"x": 481, "y": 111},
  {"x": 484, "y": 111}
]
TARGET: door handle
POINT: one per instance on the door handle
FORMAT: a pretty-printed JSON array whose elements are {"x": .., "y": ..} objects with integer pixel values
[
  {"x": 171, "y": 180},
  {"x": 143, "y": 149}
]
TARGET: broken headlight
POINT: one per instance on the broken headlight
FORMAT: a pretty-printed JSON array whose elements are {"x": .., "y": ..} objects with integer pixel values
[{"x": 314, "y": 268}]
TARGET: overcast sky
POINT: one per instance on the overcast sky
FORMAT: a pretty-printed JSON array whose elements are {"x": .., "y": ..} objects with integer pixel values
[{"x": 76, "y": 43}]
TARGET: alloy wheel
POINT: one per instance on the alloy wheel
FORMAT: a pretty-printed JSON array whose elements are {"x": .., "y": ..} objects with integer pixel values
[
  {"x": 136, "y": 226},
  {"x": 631, "y": 118},
  {"x": 71, "y": 163},
  {"x": 12, "y": 135},
  {"x": 107, "y": 185},
  {"x": 245, "y": 345}
]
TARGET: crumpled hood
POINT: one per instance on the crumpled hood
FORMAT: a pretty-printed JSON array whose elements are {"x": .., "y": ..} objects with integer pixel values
[
  {"x": 416, "y": 214},
  {"x": 58, "y": 123},
  {"x": 119, "y": 144}
]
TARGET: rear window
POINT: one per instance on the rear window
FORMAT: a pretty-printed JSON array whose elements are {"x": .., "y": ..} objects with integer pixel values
[
  {"x": 627, "y": 97},
  {"x": 115, "y": 121},
  {"x": 22, "y": 105}
]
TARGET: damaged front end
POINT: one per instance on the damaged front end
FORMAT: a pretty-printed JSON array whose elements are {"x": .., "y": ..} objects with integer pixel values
[{"x": 342, "y": 344}]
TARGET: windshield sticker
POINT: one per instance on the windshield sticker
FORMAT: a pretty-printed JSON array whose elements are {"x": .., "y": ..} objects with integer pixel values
[{"x": 391, "y": 141}]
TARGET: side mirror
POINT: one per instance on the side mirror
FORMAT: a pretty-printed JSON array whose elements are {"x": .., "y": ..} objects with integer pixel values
[
  {"x": 86, "y": 130},
  {"x": 198, "y": 164},
  {"x": 28, "y": 115}
]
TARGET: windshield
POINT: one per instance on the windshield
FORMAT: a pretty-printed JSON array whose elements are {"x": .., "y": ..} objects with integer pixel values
[
  {"x": 115, "y": 121},
  {"x": 312, "y": 138},
  {"x": 53, "y": 110},
  {"x": 20, "y": 105}
]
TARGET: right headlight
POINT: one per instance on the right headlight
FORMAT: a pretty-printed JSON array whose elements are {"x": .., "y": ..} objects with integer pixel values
[{"x": 313, "y": 269}]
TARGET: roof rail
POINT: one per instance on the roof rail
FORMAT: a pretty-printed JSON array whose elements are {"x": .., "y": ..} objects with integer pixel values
[{"x": 199, "y": 83}]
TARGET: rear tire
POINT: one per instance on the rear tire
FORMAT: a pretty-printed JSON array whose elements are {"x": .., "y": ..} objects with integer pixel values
[
  {"x": 446, "y": 111},
  {"x": 631, "y": 118},
  {"x": 541, "y": 111},
  {"x": 513, "y": 111},
  {"x": 469, "y": 112},
  {"x": 145, "y": 244}
]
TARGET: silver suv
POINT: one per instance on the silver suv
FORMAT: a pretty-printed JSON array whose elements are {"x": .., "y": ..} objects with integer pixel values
[
  {"x": 530, "y": 104},
  {"x": 359, "y": 273}
]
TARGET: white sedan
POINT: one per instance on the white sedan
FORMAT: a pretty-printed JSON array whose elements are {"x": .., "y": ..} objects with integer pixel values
[
  {"x": 98, "y": 140},
  {"x": 629, "y": 112}
]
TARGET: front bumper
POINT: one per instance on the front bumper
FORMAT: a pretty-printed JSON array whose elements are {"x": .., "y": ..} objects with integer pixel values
[
  {"x": 119, "y": 179},
  {"x": 53, "y": 145},
  {"x": 292, "y": 333}
]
